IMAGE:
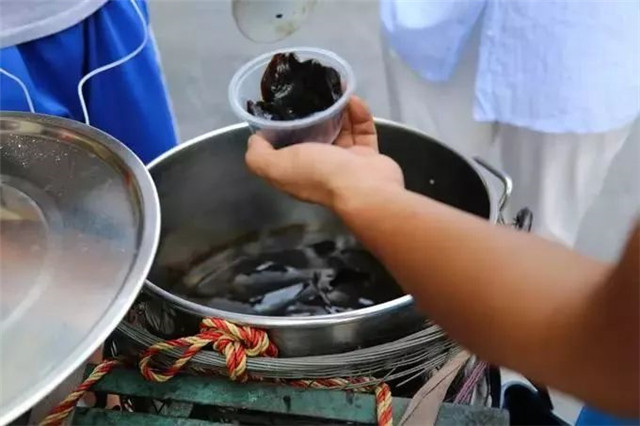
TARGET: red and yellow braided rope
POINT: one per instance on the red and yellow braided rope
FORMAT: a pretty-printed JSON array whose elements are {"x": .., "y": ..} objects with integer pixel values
[
  {"x": 62, "y": 410},
  {"x": 384, "y": 410},
  {"x": 235, "y": 343}
]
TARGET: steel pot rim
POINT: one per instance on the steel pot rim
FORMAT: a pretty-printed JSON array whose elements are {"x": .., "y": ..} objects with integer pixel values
[
  {"x": 295, "y": 322},
  {"x": 279, "y": 322}
]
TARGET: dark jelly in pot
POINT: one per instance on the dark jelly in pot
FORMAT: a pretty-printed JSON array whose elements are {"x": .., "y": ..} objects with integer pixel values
[{"x": 292, "y": 89}]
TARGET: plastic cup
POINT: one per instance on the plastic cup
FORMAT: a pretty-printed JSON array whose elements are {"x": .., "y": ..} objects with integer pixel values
[{"x": 322, "y": 126}]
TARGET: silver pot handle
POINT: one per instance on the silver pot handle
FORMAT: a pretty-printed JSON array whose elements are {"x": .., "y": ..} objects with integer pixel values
[
  {"x": 524, "y": 217},
  {"x": 507, "y": 183}
]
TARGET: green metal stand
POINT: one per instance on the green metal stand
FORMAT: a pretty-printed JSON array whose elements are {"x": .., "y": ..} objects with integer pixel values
[{"x": 182, "y": 393}]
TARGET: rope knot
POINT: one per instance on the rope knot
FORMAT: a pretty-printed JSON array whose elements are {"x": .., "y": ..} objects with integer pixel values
[
  {"x": 233, "y": 341},
  {"x": 236, "y": 343},
  {"x": 254, "y": 341}
]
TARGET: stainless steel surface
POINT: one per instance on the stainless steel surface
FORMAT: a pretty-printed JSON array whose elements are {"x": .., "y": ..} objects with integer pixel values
[
  {"x": 79, "y": 226},
  {"x": 507, "y": 184},
  {"x": 209, "y": 199}
]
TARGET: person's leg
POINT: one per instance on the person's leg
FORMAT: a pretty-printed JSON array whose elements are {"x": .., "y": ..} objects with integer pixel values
[
  {"x": 129, "y": 101},
  {"x": 557, "y": 176},
  {"x": 49, "y": 69}
]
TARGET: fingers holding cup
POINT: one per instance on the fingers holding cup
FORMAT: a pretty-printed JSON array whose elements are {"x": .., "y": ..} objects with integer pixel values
[{"x": 358, "y": 127}]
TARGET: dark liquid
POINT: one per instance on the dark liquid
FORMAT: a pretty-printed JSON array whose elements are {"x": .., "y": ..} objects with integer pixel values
[{"x": 292, "y": 89}]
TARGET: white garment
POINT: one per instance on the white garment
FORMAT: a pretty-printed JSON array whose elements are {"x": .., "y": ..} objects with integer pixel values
[
  {"x": 554, "y": 66},
  {"x": 26, "y": 20},
  {"x": 556, "y": 175},
  {"x": 442, "y": 110}
]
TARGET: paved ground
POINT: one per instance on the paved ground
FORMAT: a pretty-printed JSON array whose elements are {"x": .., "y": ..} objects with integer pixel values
[{"x": 201, "y": 48}]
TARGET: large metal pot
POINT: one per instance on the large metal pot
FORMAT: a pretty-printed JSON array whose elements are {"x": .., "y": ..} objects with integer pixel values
[{"x": 208, "y": 198}]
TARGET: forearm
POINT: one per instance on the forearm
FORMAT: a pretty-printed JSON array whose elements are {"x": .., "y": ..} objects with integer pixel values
[{"x": 513, "y": 299}]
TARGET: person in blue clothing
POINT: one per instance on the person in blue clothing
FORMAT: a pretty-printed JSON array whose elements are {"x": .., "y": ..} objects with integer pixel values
[
  {"x": 550, "y": 88},
  {"x": 93, "y": 61}
]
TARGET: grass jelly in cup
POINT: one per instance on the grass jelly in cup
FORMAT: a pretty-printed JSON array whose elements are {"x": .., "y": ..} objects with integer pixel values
[{"x": 321, "y": 126}]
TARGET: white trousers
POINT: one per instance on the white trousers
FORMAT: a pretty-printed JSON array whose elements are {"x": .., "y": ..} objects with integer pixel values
[{"x": 556, "y": 175}]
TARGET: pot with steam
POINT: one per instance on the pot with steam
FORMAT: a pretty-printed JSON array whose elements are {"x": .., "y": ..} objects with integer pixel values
[{"x": 210, "y": 202}]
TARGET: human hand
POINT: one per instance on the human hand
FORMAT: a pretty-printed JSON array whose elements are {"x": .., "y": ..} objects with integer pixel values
[{"x": 320, "y": 173}]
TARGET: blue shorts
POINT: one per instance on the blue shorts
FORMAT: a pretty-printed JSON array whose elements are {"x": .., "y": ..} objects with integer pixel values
[{"x": 129, "y": 101}]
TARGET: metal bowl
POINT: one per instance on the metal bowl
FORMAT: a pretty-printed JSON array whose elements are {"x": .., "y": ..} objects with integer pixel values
[
  {"x": 79, "y": 227},
  {"x": 209, "y": 199}
]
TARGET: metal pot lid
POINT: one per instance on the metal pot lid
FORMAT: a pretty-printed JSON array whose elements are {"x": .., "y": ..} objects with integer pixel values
[{"x": 79, "y": 228}]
